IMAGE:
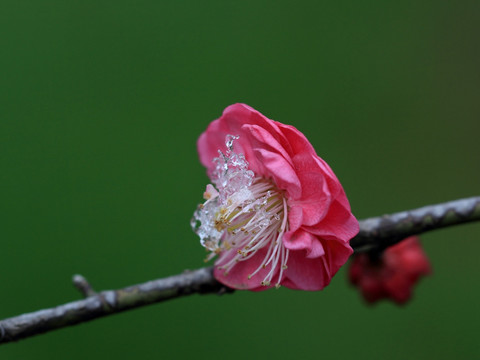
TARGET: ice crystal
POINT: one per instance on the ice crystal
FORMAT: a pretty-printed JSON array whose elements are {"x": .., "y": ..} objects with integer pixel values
[{"x": 246, "y": 214}]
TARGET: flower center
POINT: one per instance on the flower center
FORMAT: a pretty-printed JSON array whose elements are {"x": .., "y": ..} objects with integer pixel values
[{"x": 247, "y": 214}]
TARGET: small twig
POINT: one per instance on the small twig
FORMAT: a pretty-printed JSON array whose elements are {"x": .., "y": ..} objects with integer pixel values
[
  {"x": 83, "y": 285},
  {"x": 375, "y": 234}
]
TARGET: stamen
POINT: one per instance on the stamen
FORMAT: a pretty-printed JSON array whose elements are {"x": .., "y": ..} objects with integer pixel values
[{"x": 245, "y": 215}]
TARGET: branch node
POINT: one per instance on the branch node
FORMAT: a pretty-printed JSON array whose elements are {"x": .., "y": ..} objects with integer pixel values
[{"x": 83, "y": 285}]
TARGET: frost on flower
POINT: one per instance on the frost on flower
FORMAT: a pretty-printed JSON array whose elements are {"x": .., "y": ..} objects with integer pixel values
[
  {"x": 246, "y": 214},
  {"x": 275, "y": 213}
]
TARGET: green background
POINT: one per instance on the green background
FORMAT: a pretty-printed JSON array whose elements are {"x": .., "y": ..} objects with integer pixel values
[{"x": 101, "y": 103}]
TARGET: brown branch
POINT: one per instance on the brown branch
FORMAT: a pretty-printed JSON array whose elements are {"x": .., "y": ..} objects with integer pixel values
[{"x": 375, "y": 234}]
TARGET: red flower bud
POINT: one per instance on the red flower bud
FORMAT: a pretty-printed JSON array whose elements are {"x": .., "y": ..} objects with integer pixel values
[{"x": 393, "y": 274}]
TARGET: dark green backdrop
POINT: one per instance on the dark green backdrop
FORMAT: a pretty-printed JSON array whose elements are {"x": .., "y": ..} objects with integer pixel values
[{"x": 101, "y": 103}]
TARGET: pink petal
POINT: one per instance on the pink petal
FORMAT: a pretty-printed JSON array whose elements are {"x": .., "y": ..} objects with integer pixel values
[
  {"x": 337, "y": 253},
  {"x": 315, "y": 198},
  {"x": 295, "y": 217},
  {"x": 305, "y": 274},
  {"x": 237, "y": 278},
  {"x": 303, "y": 240},
  {"x": 280, "y": 171},
  {"x": 297, "y": 141},
  {"x": 340, "y": 224}
]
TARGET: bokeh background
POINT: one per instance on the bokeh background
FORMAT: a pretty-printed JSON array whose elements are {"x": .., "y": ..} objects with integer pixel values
[{"x": 101, "y": 103}]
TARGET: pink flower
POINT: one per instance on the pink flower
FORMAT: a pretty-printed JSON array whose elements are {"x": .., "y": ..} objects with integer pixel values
[
  {"x": 280, "y": 216},
  {"x": 393, "y": 275}
]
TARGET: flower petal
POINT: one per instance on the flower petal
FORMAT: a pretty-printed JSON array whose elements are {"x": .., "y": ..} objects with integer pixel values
[
  {"x": 306, "y": 274},
  {"x": 340, "y": 224},
  {"x": 280, "y": 171},
  {"x": 238, "y": 278}
]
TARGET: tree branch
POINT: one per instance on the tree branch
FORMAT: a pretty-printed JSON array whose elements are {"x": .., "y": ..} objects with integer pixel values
[
  {"x": 110, "y": 302},
  {"x": 375, "y": 234},
  {"x": 380, "y": 232}
]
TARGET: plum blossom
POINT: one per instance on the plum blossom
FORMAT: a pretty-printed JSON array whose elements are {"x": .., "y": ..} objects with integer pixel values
[
  {"x": 393, "y": 274},
  {"x": 275, "y": 213}
]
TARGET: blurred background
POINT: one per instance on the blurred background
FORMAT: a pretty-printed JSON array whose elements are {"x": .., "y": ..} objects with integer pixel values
[{"x": 101, "y": 103}]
